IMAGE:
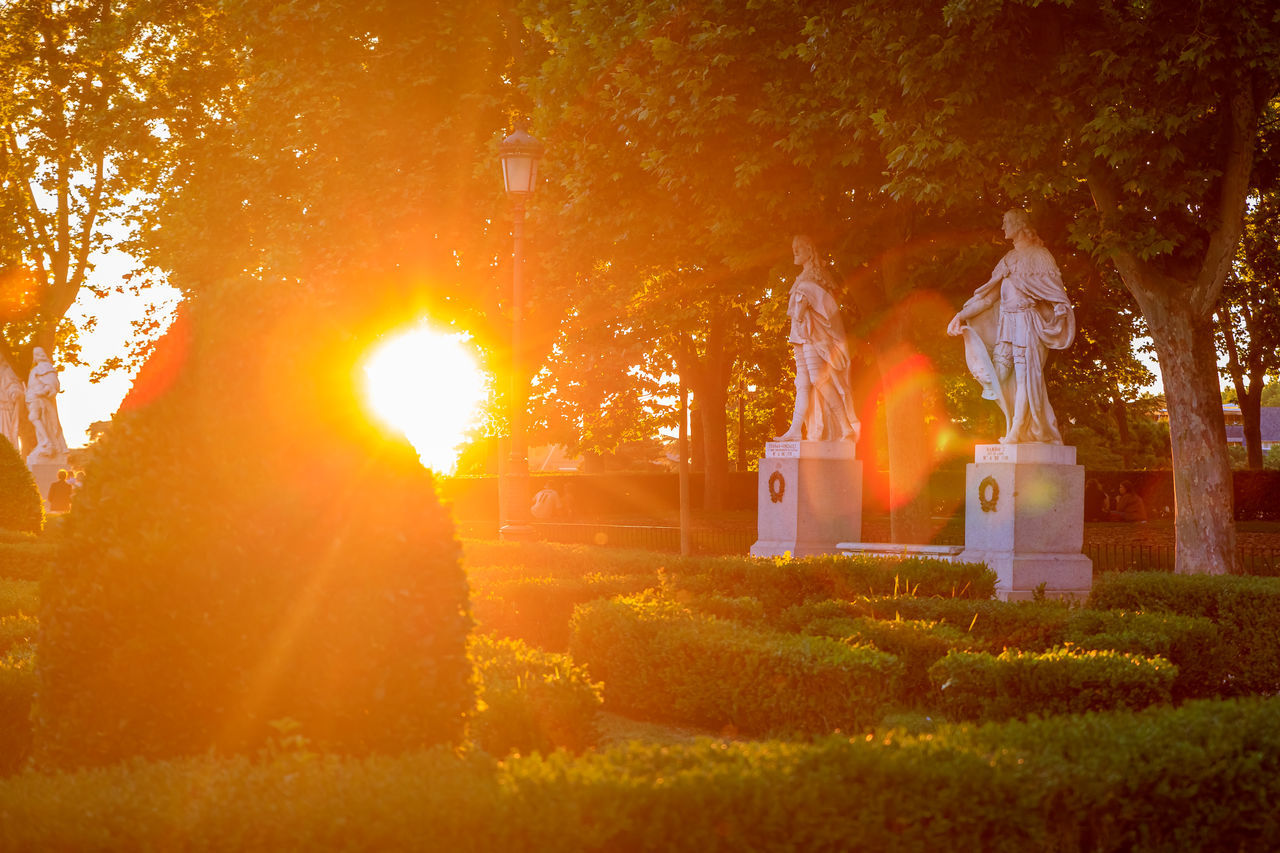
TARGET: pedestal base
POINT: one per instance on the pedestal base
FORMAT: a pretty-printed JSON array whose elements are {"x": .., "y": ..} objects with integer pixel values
[
  {"x": 1024, "y": 518},
  {"x": 810, "y": 498}
]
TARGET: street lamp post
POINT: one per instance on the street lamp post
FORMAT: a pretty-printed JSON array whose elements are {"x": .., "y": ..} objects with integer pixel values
[{"x": 520, "y": 153}]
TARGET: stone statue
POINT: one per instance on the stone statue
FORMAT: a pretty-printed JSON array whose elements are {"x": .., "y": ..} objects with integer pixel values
[
  {"x": 42, "y": 408},
  {"x": 1009, "y": 324},
  {"x": 824, "y": 400},
  {"x": 12, "y": 392}
]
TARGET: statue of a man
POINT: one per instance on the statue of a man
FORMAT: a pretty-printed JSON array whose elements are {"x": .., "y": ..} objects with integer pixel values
[
  {"x": 824, "y": 400},
  {"x": 12, "y": 393},
  {"x": 42, "y": 408},
  {"x": 1009, "y": 324}
]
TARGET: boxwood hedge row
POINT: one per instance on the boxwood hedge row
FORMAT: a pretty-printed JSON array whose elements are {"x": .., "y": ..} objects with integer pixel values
[
  {"x": 1202, "y": 777},
  {"x": 980, "y": 686},
  {"x": 660, "y": 660},
  {"x": 1245, "y": 609}
]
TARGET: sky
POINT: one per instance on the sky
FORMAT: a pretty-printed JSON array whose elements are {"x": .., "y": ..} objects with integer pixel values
[{"x": 81, "y": 402}]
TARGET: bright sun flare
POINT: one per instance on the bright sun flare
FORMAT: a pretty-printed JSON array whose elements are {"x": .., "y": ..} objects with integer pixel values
[{"x": 427, "y": 385}]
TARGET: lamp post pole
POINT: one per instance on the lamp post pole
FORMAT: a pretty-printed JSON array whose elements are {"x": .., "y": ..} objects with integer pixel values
[{"x": 520, "y": 153}]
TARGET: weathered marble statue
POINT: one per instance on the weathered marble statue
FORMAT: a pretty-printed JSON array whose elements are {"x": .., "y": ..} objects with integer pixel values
[
  {"x": 12, "y": 392},
  {"x": 42, "y": 408},
  {"x": 824, "y": 400},
  {"x": 1009, "y": 324}
]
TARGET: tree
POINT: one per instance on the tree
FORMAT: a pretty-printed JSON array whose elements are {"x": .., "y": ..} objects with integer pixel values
[
  {"x": 90, "y": 94},
  {"x": 643, "y": 103},
  {"x": 647, "y": 214},
  {"x": 1249, "y": 318},
  {"x": 351, "y": 149},
  {"x": 1157, "y": 113}
]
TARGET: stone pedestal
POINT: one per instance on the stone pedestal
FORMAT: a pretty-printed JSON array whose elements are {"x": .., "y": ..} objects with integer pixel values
[
  {"x": 810, "y": 498},
  {"x": 1024, "y": 518}
]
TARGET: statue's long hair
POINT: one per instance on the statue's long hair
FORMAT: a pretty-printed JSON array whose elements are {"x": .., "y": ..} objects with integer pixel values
[
  {"x": 1022, "y": 222},
  {"x": 809, "y": 249}
]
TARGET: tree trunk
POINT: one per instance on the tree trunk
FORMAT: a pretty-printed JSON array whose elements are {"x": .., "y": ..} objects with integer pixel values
[
  {"x": 1121, "y": 416},
  {"x": 1206, "y": 534},
  {"x": 909, "y": 456},
  {"x": 902, "y": 380},
  {"x": 1251, "y": 419},
  {"x": 707, "y": 378}
]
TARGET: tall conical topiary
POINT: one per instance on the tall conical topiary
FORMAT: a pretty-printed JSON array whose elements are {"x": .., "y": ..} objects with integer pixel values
[
  {"x": 250, "y": 552},
  {"x": 20, "y": 505}
]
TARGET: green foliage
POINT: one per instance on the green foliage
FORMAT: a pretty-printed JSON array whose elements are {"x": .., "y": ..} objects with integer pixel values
[
  {"x": 537, "y": 609},
  {"x": 918, "y": 645},
  {"x": 94, "y": 98},
  {"x": 742, "y": 609},
  {"x": 18, "y": 596},
  {"x": 17, "y": 629},
  {"x": 531, "y": 700},
  {"x": 17, "y": 689},
  {"x": 659, "y": 660},
  {"x": 494, "y": 560},
  {"x": 991, "y": 625},
  {"x": 20, "y": 505},
  {"x": 290, "y": 560},
  {"x": 976, "y": 685},
  {"x": 779, "y": 584},
  {"x": 26, "y": 560},
  {"x": 1245, "y": 609},
  {"x": 1202, "y": 777},
  {"x": 1192, "y": 643},
  {"x": 528, "y": 590}
]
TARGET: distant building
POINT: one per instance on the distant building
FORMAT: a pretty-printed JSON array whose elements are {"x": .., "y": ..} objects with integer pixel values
[{"x": 1270, "y": 423}]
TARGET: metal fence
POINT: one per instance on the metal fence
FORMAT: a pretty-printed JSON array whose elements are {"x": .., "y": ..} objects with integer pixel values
[{"x": 1106, "y": 557}]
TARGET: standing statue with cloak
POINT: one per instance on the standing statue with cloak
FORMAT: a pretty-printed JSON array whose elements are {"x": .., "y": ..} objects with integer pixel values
[
  {"x": 12, "y": 393},
  {"x": 824, "y": 398},
  {"x": 42, "y": 408},
  {"x": 1009, "y": 325}
]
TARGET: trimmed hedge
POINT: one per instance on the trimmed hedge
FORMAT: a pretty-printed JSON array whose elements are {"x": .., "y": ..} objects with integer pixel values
[
  {"x": 17, "y": 629},
  {"x": 17, "y": 689},
  {"x": 27, "y": 560},
  {"x": 537, "y": 609},
  {"x": 992, "y": 626},
  {"x": 531, "y": 700},
  {"x": 783, "y": 583},
  {"x": 19, "y": 596},
  {"x": 1204, "y": 777},
  {"x": 1192, "y": 643},
  {"x": 250, "y": 548},
  {"x": 21, "y": 505},
  {"x": 918, "y": 645},
  {"x": 488, "y": 560},
  {"x": 979, "y": 686},
  {"x": 1245, "y": 609},
  {"x": 661, "y": 661},
  {"x": 528, "y": 590}
]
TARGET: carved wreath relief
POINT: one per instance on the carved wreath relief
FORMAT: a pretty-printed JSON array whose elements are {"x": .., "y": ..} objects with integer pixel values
[{"x": 988, "y": 494}]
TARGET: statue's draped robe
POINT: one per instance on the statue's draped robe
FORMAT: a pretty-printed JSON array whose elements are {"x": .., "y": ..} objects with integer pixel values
[
  {"x": 42, "y": 409},
  {"x": 12, "y": 394},
  {"x": 1024, "y": 313},
  {"x": 818, "y": 332}
]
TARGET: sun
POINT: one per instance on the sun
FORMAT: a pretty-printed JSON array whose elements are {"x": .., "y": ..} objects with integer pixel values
[{"x": 428, "y": 385}]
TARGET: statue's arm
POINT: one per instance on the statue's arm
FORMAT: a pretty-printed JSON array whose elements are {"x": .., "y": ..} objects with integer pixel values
[{"x": 983, "y": 299}]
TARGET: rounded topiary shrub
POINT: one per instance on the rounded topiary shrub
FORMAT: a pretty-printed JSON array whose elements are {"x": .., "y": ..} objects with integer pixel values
[
  {"x": 20, "y": 505},
  {"x": 251, "y": 554}
]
